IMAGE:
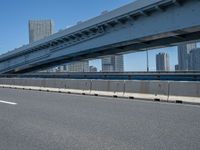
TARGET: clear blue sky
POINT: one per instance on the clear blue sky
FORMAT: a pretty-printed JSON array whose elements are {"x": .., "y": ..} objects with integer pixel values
[{"x": 16, "y": 13}]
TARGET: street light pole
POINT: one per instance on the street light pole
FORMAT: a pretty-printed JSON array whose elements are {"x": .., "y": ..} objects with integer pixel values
[{"x": 147, "y": 60}]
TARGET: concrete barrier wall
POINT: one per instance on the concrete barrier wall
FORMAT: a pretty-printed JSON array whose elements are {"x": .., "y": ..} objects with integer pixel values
[
  {"x": 28, "y": 82},
  {"x": 23, "y": 82},
  {"x": 54, "y": 83},
  {"x": 107, "y": 87},
  {"x": 7, "y": 81},
  {"x": 185, "y": 89},
  {"x": 156, "y": 90},
  {"x": 78, "y": 86},
  {"x": 181, "y": 91}
]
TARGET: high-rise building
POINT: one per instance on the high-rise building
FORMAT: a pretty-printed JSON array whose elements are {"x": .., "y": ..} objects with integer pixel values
[
  {"x": 162, "y": 62},
  {"x": 114, "y": 63},
  {"x": 176, "y": 67},
  {"x": 194, "y": 59},
  {"x": 39, "y": 29},
  {"x": 183, "y": 55},
  {"x": 81, "y": 66}
]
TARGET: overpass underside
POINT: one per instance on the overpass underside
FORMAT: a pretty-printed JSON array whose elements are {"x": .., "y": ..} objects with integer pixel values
[{"x": 156, "y": 23}]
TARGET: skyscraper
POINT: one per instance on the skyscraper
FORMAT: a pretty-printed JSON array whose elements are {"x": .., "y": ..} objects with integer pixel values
[
  {"x": 162, "y": 62},
  {"x": 114, "y": 63},
  {"x": 39, "y": 29},
  {"x": 183, "y": 55},
  {"x": 194, "y": 59}
]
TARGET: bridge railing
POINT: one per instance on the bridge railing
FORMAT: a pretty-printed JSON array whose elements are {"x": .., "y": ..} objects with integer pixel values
[{"x": 173, "y": 76}]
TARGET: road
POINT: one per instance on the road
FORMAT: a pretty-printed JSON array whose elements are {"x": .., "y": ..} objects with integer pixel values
[{"x": 34, "y": 120}]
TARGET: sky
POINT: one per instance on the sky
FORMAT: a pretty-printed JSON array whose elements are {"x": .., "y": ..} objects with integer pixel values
[{"x": 15, "y": 14}]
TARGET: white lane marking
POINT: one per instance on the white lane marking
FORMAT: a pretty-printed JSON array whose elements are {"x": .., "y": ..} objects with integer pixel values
[{"x": 6, "y": 102}]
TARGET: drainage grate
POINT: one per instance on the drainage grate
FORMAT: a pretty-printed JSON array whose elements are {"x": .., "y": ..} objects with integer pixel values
[
  {"x": 179, "y": 101},
  {"x": 157, "y": 100},
  {"x": 131, "y": 97}
]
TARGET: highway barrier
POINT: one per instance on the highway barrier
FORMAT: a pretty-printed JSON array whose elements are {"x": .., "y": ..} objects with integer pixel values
[
  {"x": 78, "y": 86},
  {"x": 184, "y": 91},
  {"x": 114, "y": 88},
  {"x": 54, "y": 83},
  {"x": 156, "y": 90},
  {"x": 172, "y": 91}
]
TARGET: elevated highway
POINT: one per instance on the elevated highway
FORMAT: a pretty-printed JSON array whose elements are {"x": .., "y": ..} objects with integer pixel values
[{"x": 135, "y": 27}]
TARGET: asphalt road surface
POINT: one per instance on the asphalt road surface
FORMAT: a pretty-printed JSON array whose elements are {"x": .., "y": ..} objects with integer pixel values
[{"x": 33, "y": 120}]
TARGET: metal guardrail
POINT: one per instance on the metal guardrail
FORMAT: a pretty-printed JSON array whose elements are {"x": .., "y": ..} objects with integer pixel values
[{"x": 170, "y": 76}]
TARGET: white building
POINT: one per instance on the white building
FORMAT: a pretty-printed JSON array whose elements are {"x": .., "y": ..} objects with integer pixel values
[
  {"x": 81, "y": 66},
  {"x": 114, "y": 63}
]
